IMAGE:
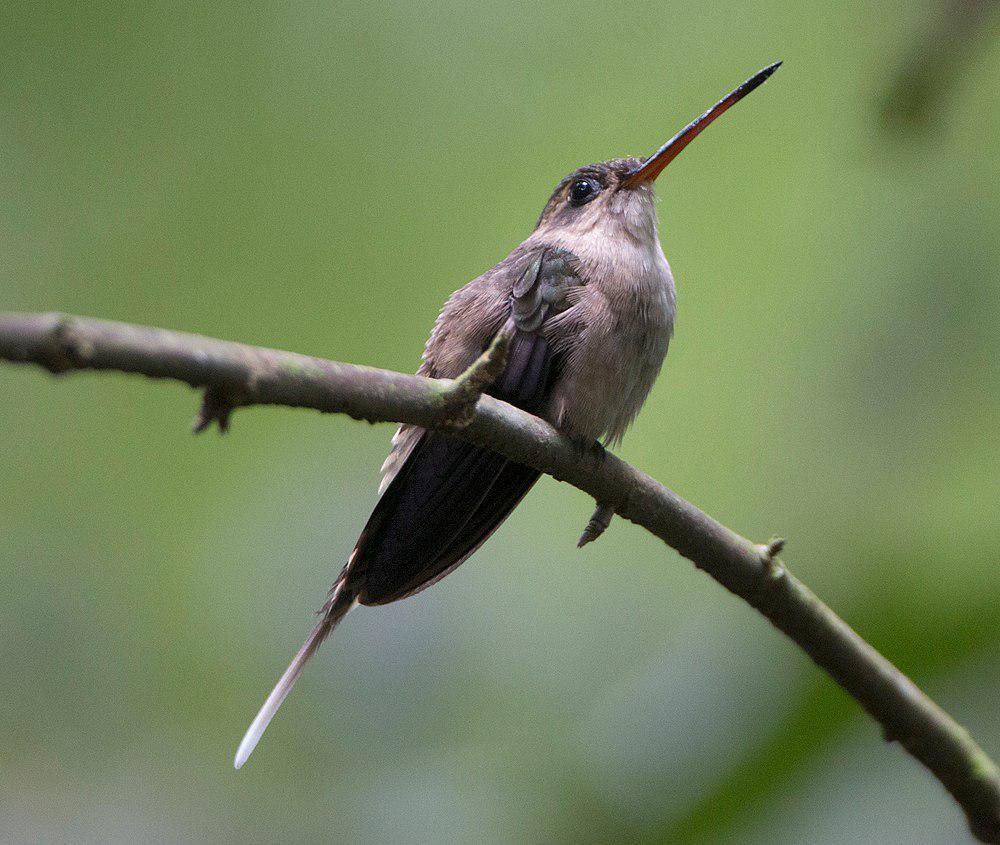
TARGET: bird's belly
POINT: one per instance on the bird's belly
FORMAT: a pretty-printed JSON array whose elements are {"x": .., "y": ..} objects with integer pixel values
[{"x": 610, "y": 372}]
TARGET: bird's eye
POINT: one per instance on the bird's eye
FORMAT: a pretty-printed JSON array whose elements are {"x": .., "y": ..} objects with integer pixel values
[{"x": 582, "y": 190}]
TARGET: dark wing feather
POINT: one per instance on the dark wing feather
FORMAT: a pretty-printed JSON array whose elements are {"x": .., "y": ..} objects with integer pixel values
[
  {"x": 513, "y": 483},
  {"x": 450, "y": 496}
]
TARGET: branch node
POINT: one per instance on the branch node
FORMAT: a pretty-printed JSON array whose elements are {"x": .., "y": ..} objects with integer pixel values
[
  {"x": 63, "y": 350},
  {"x": 597, "y": 525},
  {"x": 461, "y": 396},
  {"x": 216, "y": 406},
  {"x": 769, "y": 552}
]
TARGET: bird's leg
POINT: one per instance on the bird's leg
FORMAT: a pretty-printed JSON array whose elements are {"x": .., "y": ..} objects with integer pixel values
[{"x": 601, "y": 518}]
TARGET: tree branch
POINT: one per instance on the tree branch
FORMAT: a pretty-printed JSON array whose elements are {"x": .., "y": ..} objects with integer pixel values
[{"x": 234, "y": 375}]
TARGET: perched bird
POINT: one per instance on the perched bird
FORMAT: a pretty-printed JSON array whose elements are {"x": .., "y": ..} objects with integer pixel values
[{"x": 588, "y": 302}]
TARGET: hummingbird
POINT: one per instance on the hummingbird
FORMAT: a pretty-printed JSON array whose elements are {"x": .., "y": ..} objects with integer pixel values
[{"x": 588, "y": 302}]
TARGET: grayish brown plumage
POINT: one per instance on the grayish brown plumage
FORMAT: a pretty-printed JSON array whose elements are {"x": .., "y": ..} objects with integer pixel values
[{"x": 589, "y": 300}]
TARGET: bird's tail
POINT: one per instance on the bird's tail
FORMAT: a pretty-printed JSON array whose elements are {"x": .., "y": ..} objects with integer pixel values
[{"x": 339, "y": 603}]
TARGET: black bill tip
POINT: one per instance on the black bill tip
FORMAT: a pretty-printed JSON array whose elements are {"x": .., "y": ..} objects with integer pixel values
[{"x": 654, "y": 165}]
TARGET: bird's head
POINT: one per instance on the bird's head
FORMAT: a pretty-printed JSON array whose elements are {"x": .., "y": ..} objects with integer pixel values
[{"x": 616, "y": 197}]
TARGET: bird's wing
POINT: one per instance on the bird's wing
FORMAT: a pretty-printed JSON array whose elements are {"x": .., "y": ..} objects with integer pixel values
[
  {"x": 531, "y": 283},
  {"x": 443, "y": 497},
  {"x": 447, "y": 496}
]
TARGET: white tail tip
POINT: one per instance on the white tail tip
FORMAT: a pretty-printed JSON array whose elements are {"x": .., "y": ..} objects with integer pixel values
[
  {"x": 270, "y": 707},
  {"x": 279, "y": 694},
  {"x": 335, "y": 613}
]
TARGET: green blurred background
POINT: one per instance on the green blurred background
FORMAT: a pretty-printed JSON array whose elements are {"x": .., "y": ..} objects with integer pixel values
[{"x": 319, "y": 177}]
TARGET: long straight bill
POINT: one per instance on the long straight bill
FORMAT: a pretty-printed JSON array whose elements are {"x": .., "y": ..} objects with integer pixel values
[{"x": 652, "y": 166}]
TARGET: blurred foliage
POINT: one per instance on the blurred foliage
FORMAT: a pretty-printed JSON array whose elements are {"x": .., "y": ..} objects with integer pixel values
[
  {"x": 320, "y": 176},
  {"x": 937, "y": 61}
]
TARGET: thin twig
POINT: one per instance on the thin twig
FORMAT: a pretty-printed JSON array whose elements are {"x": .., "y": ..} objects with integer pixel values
[
  {"x": 598, "y": 524},
  {"x": 267, "y": 376},
  {"x": 464, "y": 392},
  {"x": 216, "y": 407}
]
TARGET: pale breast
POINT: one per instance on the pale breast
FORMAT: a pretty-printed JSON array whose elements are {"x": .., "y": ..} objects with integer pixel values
[{"x": 615, "y": 337}]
